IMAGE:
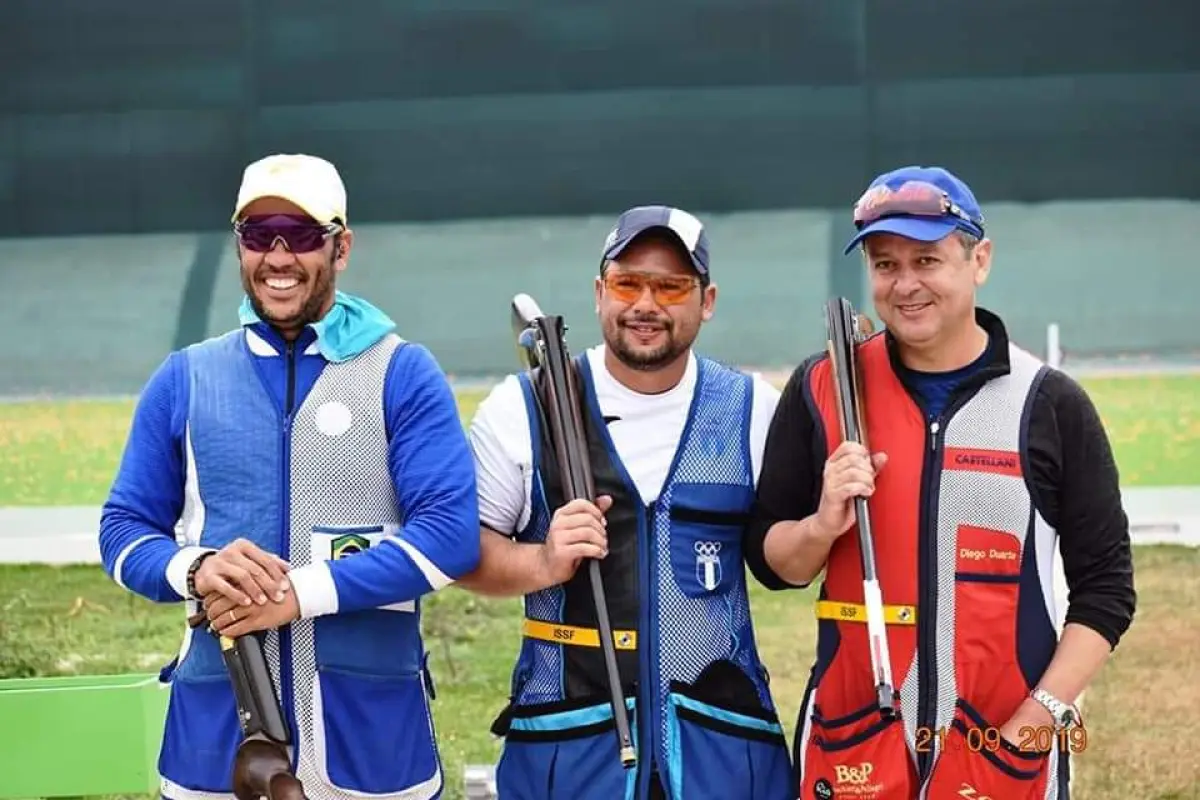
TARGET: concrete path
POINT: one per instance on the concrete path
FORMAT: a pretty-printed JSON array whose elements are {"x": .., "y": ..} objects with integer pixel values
[
  {"x": 60, "y": 535},
  {"x": 67, "y": 535}
]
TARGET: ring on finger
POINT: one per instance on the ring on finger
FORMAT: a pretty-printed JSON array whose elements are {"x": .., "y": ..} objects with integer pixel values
[{"x": 232, "y": 616}]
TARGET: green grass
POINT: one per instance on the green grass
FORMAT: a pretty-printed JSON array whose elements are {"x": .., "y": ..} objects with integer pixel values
[
  {"x": 1154, "y": 426},
  {"x": 65, "y": 452},
  {"x": 1141, "y": 710},
  {"x": 69, "y": 620}
]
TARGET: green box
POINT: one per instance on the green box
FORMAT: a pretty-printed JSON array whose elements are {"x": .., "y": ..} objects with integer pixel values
[{"x": 81, "y": 735}]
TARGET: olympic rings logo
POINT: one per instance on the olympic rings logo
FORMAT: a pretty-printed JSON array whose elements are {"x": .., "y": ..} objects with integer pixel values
[{"x": 707, "y": 549}]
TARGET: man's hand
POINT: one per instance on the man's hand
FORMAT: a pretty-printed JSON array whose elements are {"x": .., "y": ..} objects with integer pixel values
[
  {"x": 241, "y": 571},
  {"x": 232, "y": 619},
  {"x": 849, "y": 473},
  {"x": 576, "y": 532},
  {"x": 1030, "y": 714}
]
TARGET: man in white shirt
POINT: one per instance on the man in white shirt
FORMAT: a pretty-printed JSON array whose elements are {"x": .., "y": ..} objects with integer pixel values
[{"x": 675, "y": 443}]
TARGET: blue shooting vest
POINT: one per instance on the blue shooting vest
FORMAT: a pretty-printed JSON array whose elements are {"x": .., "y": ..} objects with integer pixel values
[
  {"x": 352, "y": 687},
  {"x": 701, "y": 714}
]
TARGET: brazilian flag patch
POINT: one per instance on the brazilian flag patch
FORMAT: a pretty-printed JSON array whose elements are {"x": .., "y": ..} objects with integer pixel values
[{"x": 347, "y": 545}]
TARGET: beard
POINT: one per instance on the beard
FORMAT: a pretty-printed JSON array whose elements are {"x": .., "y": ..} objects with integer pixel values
[
  {"x": 617, "y": 337},
  {"x": 289, "y": 316}
]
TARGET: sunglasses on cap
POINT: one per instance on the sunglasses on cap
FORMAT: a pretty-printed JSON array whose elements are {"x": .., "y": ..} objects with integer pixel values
[
  {"x": 299, "y": 234},
  {"x": 667, "y": 290},
  {"x": 913, "y": 198}
]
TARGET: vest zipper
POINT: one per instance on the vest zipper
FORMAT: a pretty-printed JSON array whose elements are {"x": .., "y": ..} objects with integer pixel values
[
  {"x": 291, "y": 382},
  {"x": 287, "y": 696},
  {"x": 647, "y": 701},
  {"x": 927, "y": 557},
  {"x": 649, "y": 716},
  {"x": 931, "y": 481},
  {"x": 927, "y": 611}
]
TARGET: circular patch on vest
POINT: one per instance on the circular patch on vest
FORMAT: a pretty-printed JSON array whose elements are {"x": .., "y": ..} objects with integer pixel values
[
  {"x": 333, "y": 418},
  {"x": 822, "y": 789}
]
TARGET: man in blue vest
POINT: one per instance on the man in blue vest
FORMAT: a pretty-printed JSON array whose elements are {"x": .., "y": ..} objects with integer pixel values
[
  {"x": 675, "y": 443},
  {"x": 323, "y": 484}
]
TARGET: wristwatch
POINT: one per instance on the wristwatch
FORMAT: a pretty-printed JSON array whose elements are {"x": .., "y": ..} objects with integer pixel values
[
  {"x": 1064, "y": 714},
  {"x": 191, "y": 574}
]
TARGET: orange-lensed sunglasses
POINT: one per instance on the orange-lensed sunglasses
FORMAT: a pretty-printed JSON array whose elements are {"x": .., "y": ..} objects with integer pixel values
[{"x": 668, "y": 290}]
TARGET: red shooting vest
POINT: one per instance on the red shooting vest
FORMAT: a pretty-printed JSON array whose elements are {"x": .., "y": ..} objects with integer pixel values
[{"x": 987, "y": 545}]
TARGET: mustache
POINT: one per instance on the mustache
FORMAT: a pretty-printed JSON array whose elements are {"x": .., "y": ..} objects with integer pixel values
[
  {"x": 263, "y": 274},
  {"x": 646, "y": 319}
]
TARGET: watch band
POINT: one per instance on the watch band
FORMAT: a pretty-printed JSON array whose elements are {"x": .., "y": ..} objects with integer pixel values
[
  {"x": 1064, "y": 714},
  {"x": 191, "y": 574}
]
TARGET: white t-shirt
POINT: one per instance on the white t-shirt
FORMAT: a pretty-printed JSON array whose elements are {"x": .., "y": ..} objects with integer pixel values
[{"x": 645, "y": 430}]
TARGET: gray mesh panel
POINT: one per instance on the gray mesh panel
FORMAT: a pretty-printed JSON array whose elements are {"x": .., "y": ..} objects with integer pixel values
[
  {"x": 336, "y": 480},
  {"x": 991, "y": 420}
]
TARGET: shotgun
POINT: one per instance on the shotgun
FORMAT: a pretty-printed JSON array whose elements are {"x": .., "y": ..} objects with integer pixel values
[
  {"x": 844, "y": 331},
  {"x": 541, "y": 346}
]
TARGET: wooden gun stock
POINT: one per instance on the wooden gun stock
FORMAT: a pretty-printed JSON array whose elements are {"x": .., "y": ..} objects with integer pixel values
[{"x": 262, "y": 766}]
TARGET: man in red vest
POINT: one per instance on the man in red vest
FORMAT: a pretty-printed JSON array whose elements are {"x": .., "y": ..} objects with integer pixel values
[{"x": 983, "y": 462}]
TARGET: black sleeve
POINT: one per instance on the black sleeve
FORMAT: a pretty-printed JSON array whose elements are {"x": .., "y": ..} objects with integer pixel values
[
  {"x": 789, "y": 483},
  {"x": 1076, "y": 488}
]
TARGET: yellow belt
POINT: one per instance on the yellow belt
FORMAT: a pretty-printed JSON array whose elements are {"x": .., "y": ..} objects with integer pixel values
[
  {"x": 856, "y": 612},
  {"x": 569, "y": 634}
]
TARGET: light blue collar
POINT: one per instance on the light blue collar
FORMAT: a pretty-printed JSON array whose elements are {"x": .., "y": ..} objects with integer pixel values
[{"x": 351, "y": 326}]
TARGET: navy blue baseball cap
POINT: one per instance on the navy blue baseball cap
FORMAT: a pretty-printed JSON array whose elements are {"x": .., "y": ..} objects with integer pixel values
[
  {"x": 923, "y": 203},
  {"x": 685, "y": 226}
]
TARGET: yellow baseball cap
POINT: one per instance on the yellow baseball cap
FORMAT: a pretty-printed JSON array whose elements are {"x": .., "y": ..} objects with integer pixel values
[{"x": 312, "y": 183}]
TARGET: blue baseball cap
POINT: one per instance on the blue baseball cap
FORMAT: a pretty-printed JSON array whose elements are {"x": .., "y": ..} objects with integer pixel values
[
  {"x": 961, "y": 212},
  {"x": 638, "y": 220}
]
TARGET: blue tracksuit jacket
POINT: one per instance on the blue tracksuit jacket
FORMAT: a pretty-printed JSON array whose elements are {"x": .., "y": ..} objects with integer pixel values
[{"x": 227, "y": 442}]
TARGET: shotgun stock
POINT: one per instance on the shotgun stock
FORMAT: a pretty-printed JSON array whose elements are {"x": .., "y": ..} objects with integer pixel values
[{"x": 262, "y": 766}]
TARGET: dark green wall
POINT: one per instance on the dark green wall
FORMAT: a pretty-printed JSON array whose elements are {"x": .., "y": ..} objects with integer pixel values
[
  {"x": 1077, "y": 123},
  {"x": 1118, "y": 276},
  {"x": 132, "y": 115}
]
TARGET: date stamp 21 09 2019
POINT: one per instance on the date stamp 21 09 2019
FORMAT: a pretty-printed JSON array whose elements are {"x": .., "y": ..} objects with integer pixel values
[{"x": 1033, "y": 739}]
